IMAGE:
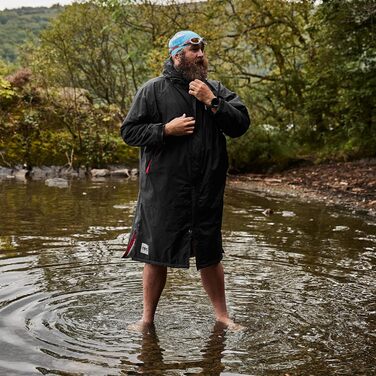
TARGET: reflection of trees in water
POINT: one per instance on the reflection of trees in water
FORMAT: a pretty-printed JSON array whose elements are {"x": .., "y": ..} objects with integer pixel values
[
  {"x": 211, "y": 363},
  {"x": 66, "y": 230}
]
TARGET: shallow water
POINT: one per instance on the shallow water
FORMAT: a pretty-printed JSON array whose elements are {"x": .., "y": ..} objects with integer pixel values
[{"x": 301, "y": 280}]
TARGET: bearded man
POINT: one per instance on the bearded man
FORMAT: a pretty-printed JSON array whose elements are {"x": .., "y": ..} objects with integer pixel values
[{"x": 179, "y": 120}]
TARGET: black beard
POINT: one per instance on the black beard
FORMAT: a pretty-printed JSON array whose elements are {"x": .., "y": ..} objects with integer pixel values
[{"x": 192, "y": 70}]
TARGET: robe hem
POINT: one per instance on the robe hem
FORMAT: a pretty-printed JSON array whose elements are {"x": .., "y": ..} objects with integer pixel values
[{"x": 180, "y": 266}]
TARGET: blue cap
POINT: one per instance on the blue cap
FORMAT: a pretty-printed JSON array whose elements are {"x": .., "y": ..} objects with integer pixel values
[{"x": 180, "y": 40}]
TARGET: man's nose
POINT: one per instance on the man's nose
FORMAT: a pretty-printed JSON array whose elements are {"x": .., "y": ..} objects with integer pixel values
[{"x": 200, "y": 53}]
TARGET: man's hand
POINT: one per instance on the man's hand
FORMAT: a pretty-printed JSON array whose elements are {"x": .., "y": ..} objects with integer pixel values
[
  {"x": 201, "y": 91},
  {"x": 180, "y": 126}
]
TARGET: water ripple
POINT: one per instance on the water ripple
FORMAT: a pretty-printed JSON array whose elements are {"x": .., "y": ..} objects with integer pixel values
[{"x": 301, "y": 280}]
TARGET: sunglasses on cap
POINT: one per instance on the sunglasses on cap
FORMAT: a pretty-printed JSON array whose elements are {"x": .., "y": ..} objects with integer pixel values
[{"x": 195, "y": 41}]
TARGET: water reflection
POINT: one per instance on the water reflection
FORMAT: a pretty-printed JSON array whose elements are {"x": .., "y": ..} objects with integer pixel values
[
  {"x": 301, "y": 280},
  {"x": 153, "y": 363}
]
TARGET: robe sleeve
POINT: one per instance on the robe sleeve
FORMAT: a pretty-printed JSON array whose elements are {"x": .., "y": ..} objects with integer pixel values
[
  {"x": 140, "y": 128},
  {"x": 232, "y": 115}
]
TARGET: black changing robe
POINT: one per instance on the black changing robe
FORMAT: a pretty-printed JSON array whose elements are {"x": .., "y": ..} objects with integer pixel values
[{"x": 182, "y": 178}]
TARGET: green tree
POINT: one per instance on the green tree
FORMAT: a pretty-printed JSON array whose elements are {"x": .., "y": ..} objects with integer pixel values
[
  {"x": 85, "y": 48},
  {"x": 60, "y": 126},
  {"x": 340, "y": 99},
  {"x": 20, "y": 25},
  {"x": 306, "y": 72}
]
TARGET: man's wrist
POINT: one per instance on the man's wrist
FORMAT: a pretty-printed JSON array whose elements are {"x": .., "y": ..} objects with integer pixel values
[
  {"x": 214, "y": 103},
  {"x": 208, "y": 103},
  {"x": 166, "y": 130}
]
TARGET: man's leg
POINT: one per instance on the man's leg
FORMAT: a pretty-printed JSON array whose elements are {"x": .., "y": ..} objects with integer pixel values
[
  {"x": 154, "y": 280},
  {"x": 213, "y": 280}
]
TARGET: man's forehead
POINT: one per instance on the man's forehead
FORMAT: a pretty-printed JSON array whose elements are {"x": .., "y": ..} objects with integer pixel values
[{"x": 195, "y": 46}]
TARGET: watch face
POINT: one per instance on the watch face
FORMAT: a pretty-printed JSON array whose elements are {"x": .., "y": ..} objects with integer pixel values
[{"x": 214, "y": 102}]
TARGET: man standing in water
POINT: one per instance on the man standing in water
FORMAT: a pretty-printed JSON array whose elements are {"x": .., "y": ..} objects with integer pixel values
[{"x": 179, "y": 120}]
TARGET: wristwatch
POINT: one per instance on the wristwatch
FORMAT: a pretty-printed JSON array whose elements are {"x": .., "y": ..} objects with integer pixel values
[{"x": 214, "y": 103}]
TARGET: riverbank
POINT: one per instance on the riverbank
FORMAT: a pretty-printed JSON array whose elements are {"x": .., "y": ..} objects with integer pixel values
[{"x": 349, "y": 184}]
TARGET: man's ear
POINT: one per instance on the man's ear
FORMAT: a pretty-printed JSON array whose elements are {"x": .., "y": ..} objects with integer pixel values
[{"x": 176, "y": 58}]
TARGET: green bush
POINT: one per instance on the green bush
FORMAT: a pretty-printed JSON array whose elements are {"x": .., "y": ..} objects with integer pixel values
[
  {"x": 262, "y": 148},
  {"x": 57, "y": 127}
]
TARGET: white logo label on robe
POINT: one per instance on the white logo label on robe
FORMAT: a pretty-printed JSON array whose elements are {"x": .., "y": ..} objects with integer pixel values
[{"x": 144, "y": 249}]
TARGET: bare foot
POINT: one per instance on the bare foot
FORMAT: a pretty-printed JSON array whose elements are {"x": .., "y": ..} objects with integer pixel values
[
  {"x": 141, "y": 327},
  {"x": 231, "y": 325}
]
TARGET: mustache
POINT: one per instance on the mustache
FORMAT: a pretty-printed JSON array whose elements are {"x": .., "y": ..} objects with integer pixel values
[{"x": 195, "y": 68}]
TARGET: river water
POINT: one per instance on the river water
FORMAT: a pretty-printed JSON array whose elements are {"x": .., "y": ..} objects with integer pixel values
[{"x": 301, "y": 281}]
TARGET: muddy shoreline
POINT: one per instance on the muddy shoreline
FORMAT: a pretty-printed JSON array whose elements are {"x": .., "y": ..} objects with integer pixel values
[{"x": 349, "y": 185}]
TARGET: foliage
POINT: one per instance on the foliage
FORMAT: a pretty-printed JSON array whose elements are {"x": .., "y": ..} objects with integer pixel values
[
  {"x": 7, "y": 94},
  {"x": 85, "y": 48},
  {"x": 306, "y": 71},
  {"x": 340, "y": 101},
  {"x": 272, "y": 148},
  {"x": 57, "y": 126},
  {"x": 19, "y": 25}
]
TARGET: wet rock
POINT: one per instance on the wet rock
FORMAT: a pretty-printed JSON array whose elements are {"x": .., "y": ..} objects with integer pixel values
[
  {"x": 68, "y": 172},
  {"x": 5, "y": 172},
  {"x": 21, "y": 174},
  {"x": 57, "y": 182},
  {"x": 38, "y": 173},
  {"x": 51, "y": 171},
  {"x": 134, "y": 172},
  {"x": 100, "y": 173},
  {"x": 82, "y": 173},
  {"x": 124, "y": 172}
]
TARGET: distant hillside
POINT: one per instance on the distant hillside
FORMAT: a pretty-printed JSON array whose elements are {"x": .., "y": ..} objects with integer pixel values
[{"x": 19, "y": 25}]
